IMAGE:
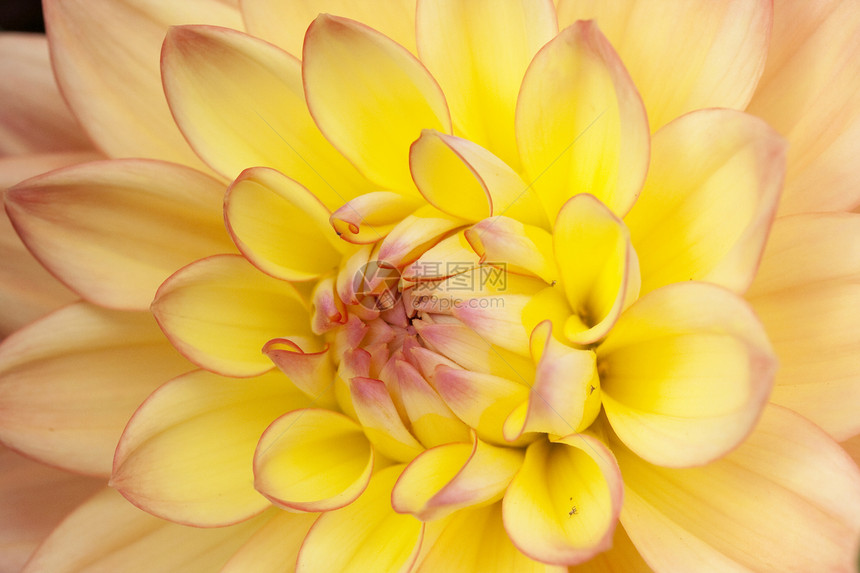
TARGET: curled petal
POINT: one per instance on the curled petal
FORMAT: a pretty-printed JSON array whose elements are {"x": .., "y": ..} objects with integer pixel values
[
  {"x": 415, "y": 234},
  {"x": 432, "y": 421},
  {"x": 523, "y": 248},
  {"x": 311, "y": 372},
  {"x": 380, "y": 420},
  {"x": 370, "y": 217}
]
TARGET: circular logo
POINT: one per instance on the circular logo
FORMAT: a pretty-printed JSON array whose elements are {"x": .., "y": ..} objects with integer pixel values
[{"x": 377, "y": 285}]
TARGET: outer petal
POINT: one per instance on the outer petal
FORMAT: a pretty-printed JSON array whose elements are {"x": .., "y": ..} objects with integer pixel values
[
  {"x": 806, "y": 295},
  {"x": 111, "y": 49},
  {"x": 108, "y": 534},
  {"x": 810, "y": 92},
  {"x": 367, "y": 534},
  {"x": 623, "y": 557},
  {"x": 580, "y": 124},
  {"x": 787, "y": 500},
  {"x": 220, "y": 312},
  {"x": 70, "y": 382},
  {"x": 479, "y": 51},
  {"x": 563, "y": 504},
  {"x": 114, "y": 230},
  {"x": 710, "y": 197},
  {"x": 370, "y": 97},
  {"x": 284, "y": 23},
  {"x": 685, "y": 374},
  {"x": 239, "y": 101},
  {"x": 274, "y": 547},
  {"x": 717, "y": 50},
  {"x": 34, "y": 117}
]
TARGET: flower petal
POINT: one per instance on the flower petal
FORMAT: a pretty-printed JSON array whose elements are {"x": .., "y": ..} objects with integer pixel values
[
  {"x": 380, "y": 420},
  {"x": 563, "y": 504},
  {"x": 805, "y": 294},
  {"x": 370, "y": 217},
  {"x": 623, "y": 557},
  {"x": 392, "y": 98},
  {"x": 788, "y": 499},
  {"x": 114, "y": 230},
  {"x": 186, "y": 453},
  {"x": 219, "y": 312},
  {"x": 480, "y": 59},
  {"x": 107, "y": 533},
  {"x": 685, "y": 374},
  {"x": 523, "y": 248},
  {"x": 274, "y": 547},
  {"x": 368, "y": 534},
  {"x": 70, "y": 382},
  {"x": 311, "y": 372},
  {"x": 580, "y": 124},
  {"x": 709, "y": 200},
  {"x": 111, "y": 49},
  {"x": 717, "y": 49},
  {"x": 313, "y": 460}
]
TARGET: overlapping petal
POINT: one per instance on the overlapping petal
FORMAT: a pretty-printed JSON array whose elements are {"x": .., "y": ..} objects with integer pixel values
[{"x": 274, "y": 547}]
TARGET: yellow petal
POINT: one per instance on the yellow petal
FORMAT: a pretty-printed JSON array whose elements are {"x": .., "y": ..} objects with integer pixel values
[
  {"x": 186, "y": 454},
  {"x": 284, "y": 23},
  {"x": 451, "y": 256},
  {"x": 274, "y": 547},
  {"x": 380, "y": 420},
  {"x": 111, "y": 49},
  {"x": 313, "y": 460},
  {"x": 685, "y": 374},
  {"x": 240, "y": 103},
  {"x": 391, "y": 98},
  {"x": 370, "y": 217},
  {"x": 497, "y": 318},
  {"x": 710, "y": 197},
  {"x": 415, "y": 234},
  {"x": 280, "y": 226},
  {"x": 311, "y": 372},
  {"x": 788, "y": 499},
  {"x": 580, "y": 124},
  {"x": 522, "y": 248},
  {"x": 366, "y": 535},
  {"x": 563, "y": 504},
  {"x": 598, "y": 267},
  {"x": 432, "y": 421},
  {"x": 717, "y": 49},
  {"x": 113, "y": 231},
  {"x": 810, "y": 93},
  {"x": 220, "y": 311},
  {"x": 623, "y": 557},
  {"x": 61, "y": 400},
  {"x": 479, "y": 51}
]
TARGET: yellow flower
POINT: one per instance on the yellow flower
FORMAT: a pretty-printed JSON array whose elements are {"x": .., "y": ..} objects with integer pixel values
[{"x": 444, "y": 286}]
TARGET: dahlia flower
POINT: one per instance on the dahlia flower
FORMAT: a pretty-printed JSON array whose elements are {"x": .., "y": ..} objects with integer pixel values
[{"x": 490, "y": 286}]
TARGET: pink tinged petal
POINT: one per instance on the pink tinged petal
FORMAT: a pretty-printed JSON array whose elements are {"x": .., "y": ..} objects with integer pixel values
[
  {"x": 35, "y": 498},
  {"x": 391, "y": 98},
  {"x": 240, "y": 103},
  {"x": 114, "y": 230},
  {"x": 717, "y": 49},
  {"x": 328, "y": 310},
  {"x": 312, "y": 372},
  {"x": 497, "y": 318},
  {"x": 380, "y": 420},
  {"x": 623, "y": 557},
  {"x": 220, "y": 311},
  {"x": 34, "y": 117},
  {"x": 563, "y": 504},
  {"x": 709, "y": 200},
  {"x": 523, "y": 248},
  {"x": 787, "y": 500},
  {"x": 274, "y": 547},
  {"x": 852, "y": 446},
  {"x": 415, "y": 234},
  {"x": 450, "y": 256},
  {"x": 685, "y": 374},
  {"x": 70, "y": 382},
  {"x": 480, "y": 60},
  {"x": 806, "y": 294},
  {"x": 107, "y": 533},
  {"x": 810, "y": 93},
  {"x": 367, "y": 535},
  {"x": 313, "y": 460},
  {"x": 597, "y": 265},
  {"x": 280, "y": 226},
  {"x": 581, "y": 127},
  {"x": 370, "y": 217},
  {"x": 17, "y": 168},
  {"x": 105, "y": 54},
  {"x": 346, "y": 277},
  {"x": 284, "y": 23}
]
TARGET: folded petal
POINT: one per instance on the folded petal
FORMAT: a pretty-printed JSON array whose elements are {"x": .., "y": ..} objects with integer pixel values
[
  {"x": 806, "y": 294},
  {"x": 219, "y": 312},
  {"x": 381, "y": 421},
  {"x": 274, "y": 547},
  {"x": 107, "y": 533},
  {"x": 114, "y": 230},
  {"x": 563, "y": 504},
  {"x": 370, "y": 217},
  {"x": 390, "y": 98},
  {"x": 311, "y": 372},
  {"x": 580, "y": 124},
  {"x": 717, "y": 49},
  {"x": 788, "y": 499},
  {"x": 685, "y": 374},
  {"x": 522, "y": 248},
  {"x": 810, "y": 93},
  {"x": 111, "y": 49},
  {"x": 479, "y": 60},
  {"x": 367, "y": 535},
  {"x": 70, "y": 382}
]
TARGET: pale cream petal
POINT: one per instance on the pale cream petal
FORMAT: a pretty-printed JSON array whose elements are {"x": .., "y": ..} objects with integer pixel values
[
  {"x": 114, "y": 230},
  {"x": 274, "y": 547},
  {"x": 106, "y": 57},
  {"x": 17, "y": 168},
  {"x": 71, "y": 381}
]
